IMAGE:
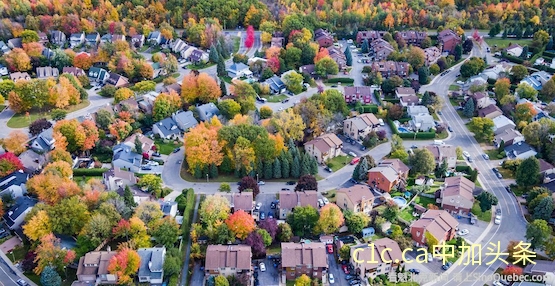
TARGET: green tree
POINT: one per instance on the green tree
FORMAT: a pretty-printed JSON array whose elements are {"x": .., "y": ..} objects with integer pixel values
[
  {"x": 525, "y": 90},
  {"x": 223, "y": 87},
  {"x": 266, "y": 238},
  {"x": 305, "y": 165},
  {"x": 293, "y": 81},
  {"x": 537, "y": 233},
  {"x": 502, "y": 87},
  {"x": 396, "y": 143},
  {"x": 49, "y": 277},
  {"x": 469, "y": 109},
  {"x": 213, "y": 56},
  {"x": 268, "y": 170},
  {"x": 69, "y": 216},
  {"x": 486, "y": 200},
  {"x": 423, "y": 75},
  {"x": 544, "y": 209},
  {"x": 277, "y": 168},
  {"x": 431, "y": 241},
  {"x": 303, "y": 220},
  {"x": 458, "y": 52},
  {"x": 128, "y": 197},
  {"x": 364, "y": 48},
  {"x": 547, "y": 93},
  {"x": 496, "y": 29},
  {"x": 104, "y": 118},
  {"x": 150, "y": 183},
  {"x": 527, "y": 172},
  {"x": 391, "y": 83},
  {"x": 416, "y": 57},
  {"x": 434, "y": 69},
  {"x": 295, "y": 168},
  {"x": 220, "y": 67},
  {"x": 348, "y": 56},
  {"x": 284, "y": 232},
  {"x": 166, "y": 231},
  {"x": 326, "y": 66},
  {"x": 355, "y": 221},
  {"x": 220, "y": 280},
  {"x": 330, "y": 220},
  {"x": 391, "y": 212},
  {"x": 442, "y": 169},
  {"x": 541, "y": 38},
  {"x": 229, "y": 108},
  {"x": 345, "y": 253},
  {"x": 422, "y": 161},
  {"x": 482, "y": 127},
  {"x": 285, "y": 164},
  {"x": 172, "y": 265},
  {"x": 472, "y": 67},
  {"x": 396, "y": 231},
  {"x": 518, "y": 72}
]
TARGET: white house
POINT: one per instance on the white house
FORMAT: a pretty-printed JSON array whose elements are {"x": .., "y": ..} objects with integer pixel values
[
  {"x": 76, "y": 39},
  {"x": 152, "y": 265},
  {"x": 500, "y": 123},
  {"x": 239, "y": 70},
  {"x": 514, "y": 50}
]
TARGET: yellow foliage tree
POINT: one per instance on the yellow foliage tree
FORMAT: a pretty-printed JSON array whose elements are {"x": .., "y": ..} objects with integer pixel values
[
  {"x": 202, "y": 147},
  {"x": 38, "y": 226},
  {"x": 16, "y": 142}
]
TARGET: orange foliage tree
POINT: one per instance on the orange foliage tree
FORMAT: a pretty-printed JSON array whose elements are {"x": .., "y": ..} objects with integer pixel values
[
  {"x": 120, "y": 129},
  {"x": 73, "y": 133},
  {"x": 9, "y": 163},
  {"x": 272, "y": 52},
  {"x": 50, "y": 253},
  {"x": 124, "y": 264},
  {"x": 83, "y": 61},
  {"x": 18, "y": 60},
  {"x": 512, "y": 270},
  {"x": 241, "y": 224},
  {"x": 91, "y": 135},
  {"x": 201, "y": 87},
  {"x": 51, "y": 188},
  {"x": 202, "y": 147},
  {"x": 321, "y": 54},
  {"x": 33, "y": 49},
  {"x": 16, "y": 142}
]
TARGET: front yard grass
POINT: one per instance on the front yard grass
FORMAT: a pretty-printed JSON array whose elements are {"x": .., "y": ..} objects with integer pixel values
[
  {"x": 275, "y": 98},
  {"x": 423, "y": 201},
  {"x": 21, "y": 121},
  {"x": 506, "y": 173},
  {"x": 454, "y": 87},
  {"x": 274, "y": 249},
  {"x": 84, "y": 179},
  {"x": 483, "y": 216},
  {"x": 166, "y": 146},
  {"x": 330, "y": 195},
  {"x": 442, "y": 135},
  {"x": 503, "y": 43},
  {"x": 200, "y": 66},
  {"x": 339, "y": 162},
  {"x": 493, "y": 154}
]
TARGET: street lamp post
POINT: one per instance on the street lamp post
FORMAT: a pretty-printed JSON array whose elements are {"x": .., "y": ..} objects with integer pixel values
[
  {"x": 257, "y": 178},
  {"x": 207, "y": 178}
]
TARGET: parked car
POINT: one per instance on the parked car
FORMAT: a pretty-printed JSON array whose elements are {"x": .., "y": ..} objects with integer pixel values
[
  {"x": 22, "y": 282},
  {"x": 156, "y": 154},
  {"x": 466, "y": 154},
  {"x": 270, "y": 215},
  {"x": 463, "y": 232},
  {"x": 258, "y": 206},
  {"x": 331, "y": 279},
  {"x": 285, "y": 189},
  {"x": 262, "y": 266},
  {"x": 362, "y": 148},
  {"x": 498, "y": 211},
  {"x": 355, "y": 160},
  {"x": 446, "y": 265},
  {"x": 330, "y": 248},
  {"x": 508, "y": 188},
  {"x": 262, "y": 216},
  {"x": 291, "y": 183},
  {"x": 146, "y": 168},
  {"x": 261, "y": 183},
  {"x": 176, "y": 150},
  {"x": 497, "y": 219},
  {"x": 326, "y": 201},
  {"x": 179, "y": 162},
  {"x": 414, "y": 147},
  {"x": 414, "y": 271},
  {"x": 470, "y": 160},
  {"x": 355, "y": 281},
  {"x": 348, "y": 276},
  {"x": 320, "y": 203},
  {"x": 328, "y": 169},
  {"x": 439, "y": 113},
  {"x": 352, "y": 154},
  {"x": 449, "y": 128},
  {"x": 486, "y": 156},
  {"x": 285, "y": 100}
]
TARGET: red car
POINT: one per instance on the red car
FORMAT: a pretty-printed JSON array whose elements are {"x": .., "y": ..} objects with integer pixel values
[
  {"x": 345, "y": 269},
  {"x": 330, "y": 248},
  {"x": 355, "y": 160}
]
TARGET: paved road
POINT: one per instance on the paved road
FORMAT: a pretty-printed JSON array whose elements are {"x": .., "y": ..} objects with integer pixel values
[{"x": 513, "y": 225}]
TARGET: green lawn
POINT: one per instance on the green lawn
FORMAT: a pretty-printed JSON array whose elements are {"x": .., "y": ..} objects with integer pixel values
[
  {"x": 2, "y": 107},
  {"x": 442, "y": 135},
  {"x": 493, "y": 153},
  {"x": 275, "y": 98},
  {"x": 166, "y": 147},
  {"x": 506, "y": 173},
  {"x": 424, "y": 201},
  {"x": 330, "y": 195},
  {"x": 18, "y": 253},
  {"x": 339, "y": 162},
  {"x": 200, "y": 66},
  {"x": 406, "y": 213},
  {"x": 503, "y": 43},
  {"x": 20, "y": 121},
  {"x": 454, "y": 87},
  {"x": 483, "y": 216},
  {"x": 226, "y": 78},
  {"x": 274, "y": 249}
]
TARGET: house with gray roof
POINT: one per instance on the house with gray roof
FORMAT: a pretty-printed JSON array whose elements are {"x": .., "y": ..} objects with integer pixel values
[
  {"x": 98, "y": 74},
  {"x": 57, "y": 38},
  {"x": 117, "y": 178},
  {"x": 15, "y": 43},
  {"x": 276, "y": 84},
  {"x": 184, "y": 120},
  {"x": 92, "y": 39},
  {"x": 76, "y": 39},
  {"x": 32, "y": 161},
  {"x": 4, "y": 48},
  {"x": 152, "y": 265},
  {"x": 520, "y": 150},
  {"x": 138, "y": 41},
  {"x": 207, "y": 111},
  {"x": 47, "y": 72},
  {"x": 117, "y": 80},
  {"x": 508, "y": 137},
  {"x": 154, "y": 38},
  {"x": 15, "y": 76},
  {"x": 540, "y": 268},
  {"x": 15, "y": 216},
  {"x": 166, "y": 128},
  {"x": 537, "y": 79},
  {"x": 198, "y": 56},
  {"x": 44, "y": 141},
  {"x": 125, "y": 158},
  {"x": 169, "y": 208},
  {"x": 14, "y": 184},
  {"x": 239, "y": 70},
  {"x": 423, "y": 122}
]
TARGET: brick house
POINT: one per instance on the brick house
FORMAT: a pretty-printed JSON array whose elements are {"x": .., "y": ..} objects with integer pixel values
[
  {"x": 359, "y": 127},
  {"x": 358, "y": 93},
  {"x": 456, "y": 195},
  {"x": 369, "y": 35},
  {"x": 448, "y": 40},
  {"x": 228, "y": 260},
  {"x": 412, "y": 37},
  {"x": 289, "y": 200},
  {"x": 377, "y": 260},
  {"x": 308, "y": 258},
  {"x": 93, "y": 268},
  {"x": 438, "y": 223},
  {"x": 324, "y": 147},
  {"x": 388, "y": 174},
  {"x": 391, "y": 68},
  {"x": 357, "y": 198},
  {"x": 323, "y": 38}
]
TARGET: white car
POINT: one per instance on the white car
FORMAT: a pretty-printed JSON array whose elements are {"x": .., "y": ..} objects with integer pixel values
[
  {"x": 466, "y": 154},
  {"x": 430, "y": 257},
  {"x": 320, "y": 202},
  {"x": 258, "y": 206},
  {"x": 331, "y": 278},
  {"x": 463, "y": 232},
  {"x": 352, "y": 154},
  {"x": 262, "y": 266},
  {"x": 261, "y": 183},
  {"x": 497, "y": 219},
  {"x": 326, "y": 201},
  {"x": 153, "y": 163},
  {"x": 497, "y": 283}
]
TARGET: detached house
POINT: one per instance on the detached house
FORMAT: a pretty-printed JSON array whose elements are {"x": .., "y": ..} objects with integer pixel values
[
  {"x": 383, "y": 258},
  {"x": 228, "y": 260},
  {"x": 404, "y": 91},
  {"x": 57, "y": 38},
  {"x": 520, "y": 150},
  {"x": 4, "y": 48},
  {"x": 363, "y": 94},
  {"x": 93, "y": 268},
  {"x": 151, "y": 269},
  {"x": 241, "y": 201},
  {"x": 185, "y": 120},
  {"x": 125, "y": 158},
  {"x": 117, "y": 178},
  {"x": 207, "y": 111},
  {"x": 15, "y": 216},
  {"x": 324, "y": 147},
  {"x": 514, "y": 50},
  {"x": 369, "y": 36},
  {"x": 15, "y": 43},
  {"x": 439, "y": 223},
  {"x": 323, "y": 38},
  {"x": 92, "y": 39},
  {"x": 14, "y": 184},
  {"x": 117, "y": 80},
  {"x": 308, "y": 258},
  {"x": 44, "y": 142},
  {"x": 154, "y": 38},
  {"x": 491, "y": 111},
  {"x": 456, "y": 195},
  {"x": 17, "y": 76},
  {"x": 145, "y": 142},
  {"x": 358, "y": 198},
  {"x": 76, "y": 72},
  {"x": 76, "y": 39},
  {"x": 276, "y": 85},
  {"x": 444, "y": 152},
  {"x": 198, "y": 56},
  {"x": 32, "y": 161},
  {"x": 166, "y": 128},
  {"x": 387, "y": 175},
  {"x": 508, "y": 137},
  {"x": 239, "y": 70},
  {"x": 360, "y": 126},
  {"x": 98, "y": 74},
  {"x": 289, "y": 200},
  {"x": 138, "y": 41}
]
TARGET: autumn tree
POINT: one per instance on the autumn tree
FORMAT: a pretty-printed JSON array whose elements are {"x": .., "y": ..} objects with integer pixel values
[
  {"x": 149, "y": 212},
  {"x": 213, "y": 209},
  {"x": 120, "y": 129},
  {"x": 249, "y": 183},
  {"x": 123, "y": 94},
  {"x": 91, "y": 135},
  {"x": 304, "y": 280},
  {"x": 229, "y": 108},
  {"x": 50, "y": 253},
  {"x": 270, "y": 225},
  {"x": 249, "y": 40},
  {"x": 73, "y": 133},
  {"x": 289, "y": 124},
  {"x": 39, "y": 125},
  {"x": 326, "y": 66},
  {"x": 166, "y": 231},
  {"x": 306, "y": 183},
  {"x": 331, "y": 218},
  {"x": 416, "y": 57},
  {"x": 244, "y": 154},
  {"x": 83, "y": 61},
  {"x": 38, "y": 226},
  {"x": 124, "y": 264},
  {"x": 482, "y": 127},
  {"x": 240, "y": 223},
  {"x": 322, "y": 53},
  {"x": 18, "y": 60},
  {"x": 502, "y": 87},
  {"x": 9, "y": 163},
  {"x": 60, "y": 168},
  {"x": 97, "y": 229},
  {"x": 16, "y": 142},
  {"x": 202, "y": 147},
  {"x": 200, "y": 87},
  {"x": 165, "y": 105},
  {"x": 294, "y": 82}
]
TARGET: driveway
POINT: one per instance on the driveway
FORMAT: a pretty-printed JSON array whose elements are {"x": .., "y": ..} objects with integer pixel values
[
  {"x": 155, "y": 170},
  {"x": 269, "y": 277},
  {"x": 266, "y": 200},
  {"x": 198, "y": 276},
  {"x": 335, "y": 269}
]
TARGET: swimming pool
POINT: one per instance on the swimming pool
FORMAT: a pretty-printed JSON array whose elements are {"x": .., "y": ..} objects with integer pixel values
[
  {"x": 402, "y": 130},
  {"x": 400, "y": 201}
]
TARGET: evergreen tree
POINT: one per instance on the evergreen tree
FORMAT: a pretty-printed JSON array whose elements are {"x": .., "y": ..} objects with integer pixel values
[
  {"x": 138, "y": 145},
  {"x": 426, "y": 99},
  {"x": 128, "y": 198},
  {"x": 213, "y": 171},
  {"x": 220, "y": 67},
  {"x": 49, "y": 277},
  {"x": 198, "y": 172},
  {"x": 469, "y": 108},
  {"x": 501, "y": 146},
  {"x": 504, "y": 36},
  {"x": 277, "y": 169},
  {"x": 423, "y": 74},
  {"x": 268, "y": 170},
  {"x": 222, "y": 50},
  {"x": 285, "y": 165},
  {"x": 549, "y": 46},
  {"x": 518, "y": 32},
  {"x": 356, "y": 172},
  {"x": 458, "y": 52},
  {"x": 528, "y": 32},
  {"x": 305, "y": 164},
  {"x": 259, "y": 168},
  {"x": 223, "y": 87},
  {"x": 296, "y": 168},
  {"x": 525, "y": 51},
  {"x": 365, "y": 47},
  {"x": 348, "y": 56},
  {"x": 213, "y": 55},
  {"x": 313, "y": 166}
]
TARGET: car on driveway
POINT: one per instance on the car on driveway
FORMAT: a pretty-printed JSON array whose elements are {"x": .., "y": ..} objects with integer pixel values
[
  {"x": 355, "y": 160},
  {"x": 328, "y": 169},
  {"x": 346, "y": 271},
  {"x": 146, "y": 168},
  {"x": 463, "y": 232},
  {"x": 262, "y": 216},
  {"x": 262, "y": 267},
  {"x": 258, "y": 206},
  {"x": 326, "y": 201},
  {"x": 330, "y": 248},
  {"x": 261, "y": 183},
  {"x": 320, "y": 203},
  {"x": 176, "y": 150},
  {"x": 331, "y": 279}
]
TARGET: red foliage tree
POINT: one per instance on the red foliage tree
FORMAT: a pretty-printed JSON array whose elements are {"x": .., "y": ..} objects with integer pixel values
[
  {"x": 512, "y": 270},
  {"x": 82, "y": 61},
  {"x": 255, "y": 241},
  {"x": 249, "y": 183},
  {"x": 273, "y": 64},
  {"x": 249, "y": 41},
  {"x": 9, "y": 163},
  {"x": 270, "y": 225}
]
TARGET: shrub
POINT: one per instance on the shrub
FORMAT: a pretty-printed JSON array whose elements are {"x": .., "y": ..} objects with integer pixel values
[
  {"x": 89, "y": 172},
  {"x": 341, "y": 80},
  {"x": 58, "y": 114}
]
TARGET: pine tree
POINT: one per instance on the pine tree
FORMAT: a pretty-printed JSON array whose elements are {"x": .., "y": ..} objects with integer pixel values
[
  {"x": 213, "y": 55},
  {"x": 277, "y": 168},
  {"x": 138, "y": 145},
  {"x": 469, "y": 108},
  {"x": 220, "y": 67},
  {"x": 259, "y": 168},
  {"x": 501, "y": 146},
  {"x": 524, "y": 54},
  {"x": 348, "y": 56},
  {"x": 223, "y": 88},
  {"x": 49, "y": 277},
  {"x": 504, "y": 36},
  {"x": 268, "y": 170},
  {"x": 296, "y": 168},
  {"x": 305, "y": 165},
  {"x": 128, "y": 198},
  {"x": 426, "y": 98},
  {"x": 285, "y": 165},
  {"x": 365, "y": 47},
  {"x": 549, "y": 46},
  {"x": 313, "y": 166},
  {"x": 213, "y": 171},
  {"x": 356, "y": 172},
  {"x": 198, "y": 172}
]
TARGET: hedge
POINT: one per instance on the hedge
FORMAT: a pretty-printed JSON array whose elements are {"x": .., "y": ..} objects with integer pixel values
[
  {"x": 463, "y": 168},
  {"x": 549, "y": 54},
  {"x": 419, "y": 135},
  {"x": 341, "y": 80},
  {"x": 89, "y": 172},
  {"x": 378, "y": 97},
  {"x": 370, "y": 108},
  {"x": 392, "y": 100},
  {"x": 189, "y": 196},
  {"x": 545, "y": 68},
  {"x": 514, "y": 59}
]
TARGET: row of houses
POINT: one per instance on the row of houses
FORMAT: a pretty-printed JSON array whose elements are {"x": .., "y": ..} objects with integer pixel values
[{"x": 447, "y": 39}]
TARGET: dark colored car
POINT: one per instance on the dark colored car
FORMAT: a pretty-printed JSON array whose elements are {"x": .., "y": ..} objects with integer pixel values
[
  {"x": 449, "y": 128},
  {"x": 285, "y": 189},
  {"x": 155, "y": 154},
  {"x": 285, "y": 100},
  {"x": 446, "y": 265},
  {"x": 439, "y": 113},
  {"x": 176, "y": 150},
  {"x": 328, "y": 169},
  {"x": 414, "y": 271},
  {"x": 508, "y": 189},
  {"x": 347, "y": 277},
  {"x": 291, "y": 183},
  {"x": 362, "y": 148},
  {"x": 146, "y": 168}
]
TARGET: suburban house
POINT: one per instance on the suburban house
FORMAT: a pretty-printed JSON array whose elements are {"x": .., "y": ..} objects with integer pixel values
[
  {"x": 92, "y": 39},
  {"x": 58, "y": 38},
  {"x": 276, "y": 84},
  {"x": 277, "y": 42},
  {"x": 481, "y": 99},
  {"x": 358, "y": 198},
  {"x": 369, "y": 36},
  {"x": 187, "y": 51},
  {"x": 16, "y": 76},
  {"x": 131, "y": 105},
  {"x": 412, "y": 37},
  {"x": 381, "y": 257},
  {"x": 47, "y": 72},
  {"x": 43, "y": 38},
  {"x": 444, "y": 152},
  {"x": 76, "y": 72},
  {"x": 514, "y": 50},
  {"x": 32, "y": 161},
  {"x": 448, "y": 40},
  {"x": 439, "y": 223},
  {"x": 359, "y": 127},
  {"x": 239, "y": 70},
  {"x": 76, "y": 39},
  {"x": 363, "y": 94},
  {"x": 3, "y": 70},
  {"x": 422, "y": 122},
  {"x": 15, "y": 43},
  {"x": 308, "y": 258},
  {"x": 228, "y": 260},
  {"x": 456, "y": 195},
  {"x": 138, "y": 41},
  {"x": 497, "y": 71},
  {"x": 124, "y": 157},
  {"x": 508, "y": 137},
  {"x": 387, "y": 175},
  {"x": 323, "y": 38},
  {"x": 198, "y": 56},
  {"x": 417, "y": 109},
  {"x": 547, "y": 171},
  {"x": 184, "y": 120},
  {"x": 338, "y": 56},
  {"x": 166, "y": 128},
  {"x": 14, "y": 184},
  {"x": 116, "y": 178},
  {"x": 4, "y": 48},
  {"x": 491, "y": 111},
  {"x": 324, "y": 147},
  {"x": 431, "y": 55},
  {"x": 502, "y": 123},
  {"x": 288, "y": 200},
  {"x": 169, "y": 208},
  {"x": 391, "y": 68},
  {"x": 240, "y": 201},
  {"x": 409, "y": 100},
  {"x": 537, "y": 79},
  {"x": 16, "y": 214},
  {"x": 177, "y": 45},
  {"x": 93, "y": 268},
  {"x": 146, "y": 143},
  {"x": 44, "y": 142},
  {"x": 117, "y": 80},
  {"x": 154, "y": 38},
  {"x": 98, "y": 74},
  {"x": 380, "y": 49},
  {"x": 308, "y": 70},
  {"x": 520, "y": 150},
  {"x": 540, "y": 268},
  {"x": 207, "y": 111},
  {"x": 404, "y": 91},
  {"x": 151, "y": 269}
]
